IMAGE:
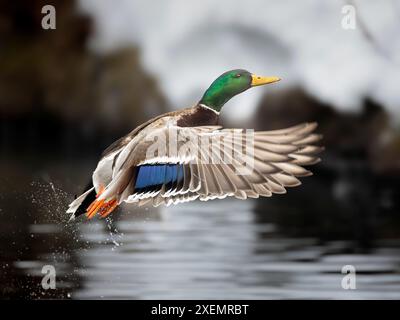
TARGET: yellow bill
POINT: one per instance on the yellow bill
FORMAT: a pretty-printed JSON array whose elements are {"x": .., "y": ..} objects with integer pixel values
[{"x": 259, "y": 81}]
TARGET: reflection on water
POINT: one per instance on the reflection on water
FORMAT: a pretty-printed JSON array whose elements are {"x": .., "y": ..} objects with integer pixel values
[
  {"x": 212, "y": 250},
  {"x": 203, "y": 250},
  {"x": 216, "y": 251}
]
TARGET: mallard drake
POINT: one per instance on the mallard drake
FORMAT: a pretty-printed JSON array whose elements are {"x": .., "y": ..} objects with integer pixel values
[{"x": 206, "y": 161}]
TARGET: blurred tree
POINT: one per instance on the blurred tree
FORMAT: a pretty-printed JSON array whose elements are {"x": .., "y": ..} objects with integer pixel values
[{"x": 51, "y": 82}]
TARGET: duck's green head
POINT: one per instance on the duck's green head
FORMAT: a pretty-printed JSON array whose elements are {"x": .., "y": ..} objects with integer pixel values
[{"x": 229, "y": 84}]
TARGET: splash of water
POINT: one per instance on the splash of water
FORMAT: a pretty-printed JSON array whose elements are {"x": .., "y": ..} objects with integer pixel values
[{"x": 115, "y": 235}]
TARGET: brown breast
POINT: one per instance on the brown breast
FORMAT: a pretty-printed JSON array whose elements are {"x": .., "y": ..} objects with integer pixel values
[{"x": 198, "y": 116}]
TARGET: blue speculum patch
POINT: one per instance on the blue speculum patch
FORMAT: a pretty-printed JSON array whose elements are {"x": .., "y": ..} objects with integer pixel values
[{"x": 155, "y": 175}]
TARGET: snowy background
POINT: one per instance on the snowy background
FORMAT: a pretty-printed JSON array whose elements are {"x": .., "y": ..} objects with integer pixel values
[{"x": 186, "y": 44}]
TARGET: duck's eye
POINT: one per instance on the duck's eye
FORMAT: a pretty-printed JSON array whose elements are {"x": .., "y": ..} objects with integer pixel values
[{"x": 237, "y": 75}]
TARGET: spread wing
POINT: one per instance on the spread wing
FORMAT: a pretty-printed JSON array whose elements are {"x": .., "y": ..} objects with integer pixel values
[{"x": 175, "y": 164}]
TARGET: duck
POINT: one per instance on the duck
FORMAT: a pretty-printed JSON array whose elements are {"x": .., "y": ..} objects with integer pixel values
[{"x": 187, "y": 155}]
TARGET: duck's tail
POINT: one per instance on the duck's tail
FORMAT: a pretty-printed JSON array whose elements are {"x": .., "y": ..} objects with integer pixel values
[{"x": 81, "y": 203}]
